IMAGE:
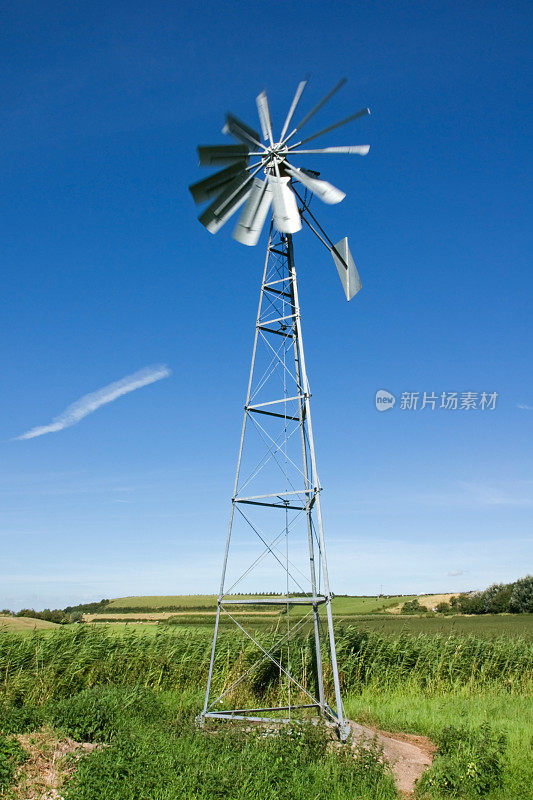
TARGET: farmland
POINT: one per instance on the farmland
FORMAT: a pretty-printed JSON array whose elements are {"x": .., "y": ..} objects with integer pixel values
[
  {"x": 206, "y": 602},
  {"x": 373, "y": 614},
  {"x": 24, "y": 624}
]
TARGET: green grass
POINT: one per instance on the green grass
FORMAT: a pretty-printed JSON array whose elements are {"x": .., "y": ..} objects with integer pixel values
[
  {"x": 74, "y": 658},
  {"x": 163, "y": 602},
  {"x": 405, "y": 708},
  {"x": 168, "y": 759}
]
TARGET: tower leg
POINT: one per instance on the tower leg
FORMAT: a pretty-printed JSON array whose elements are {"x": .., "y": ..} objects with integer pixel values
[{"x": 316, "y": 486}]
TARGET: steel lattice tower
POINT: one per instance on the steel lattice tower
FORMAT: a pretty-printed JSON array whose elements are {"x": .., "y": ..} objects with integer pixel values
[{"x": 276, "y": 504}]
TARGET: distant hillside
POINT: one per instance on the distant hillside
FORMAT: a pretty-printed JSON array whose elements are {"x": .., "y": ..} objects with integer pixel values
[
  {"x": 208, "y": 602},
  {"x": 24, "y": 623}
]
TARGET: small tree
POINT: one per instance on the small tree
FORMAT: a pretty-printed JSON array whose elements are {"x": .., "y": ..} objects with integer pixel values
[
  {"x": 413, "y": 607},
  {"x": 521, "y": 600}
]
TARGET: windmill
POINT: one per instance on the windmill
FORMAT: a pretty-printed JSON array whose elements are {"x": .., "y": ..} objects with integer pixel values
[{"x": 276, "y": 466}]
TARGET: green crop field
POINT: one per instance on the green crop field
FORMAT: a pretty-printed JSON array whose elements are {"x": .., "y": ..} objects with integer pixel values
[
  {"x": 514, "y": 625},
  {"x": 485, "y": 625},
  {"x": 341, "y": 605},
  {"x": 344, "y": 605},
  {"x": 163, "y": 602}
]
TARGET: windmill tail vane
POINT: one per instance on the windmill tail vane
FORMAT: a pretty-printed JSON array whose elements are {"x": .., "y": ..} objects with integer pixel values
[{"x": 276, "y": 517}]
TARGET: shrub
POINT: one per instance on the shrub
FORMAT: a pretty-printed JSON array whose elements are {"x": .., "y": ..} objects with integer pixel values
[
  {"x": 468, "y": 764},
  {"x": 496, "y": 598},
  {"x": 11, "y": 755},
  {"x": 18, "y": 719},
  {"x": 499, "y": 598},
  {"x": 443, "y": 608},
  {"x": 413, "y": 607},
  {"x": 95, "y": 715},
  {"x": 231, "y": 764}
]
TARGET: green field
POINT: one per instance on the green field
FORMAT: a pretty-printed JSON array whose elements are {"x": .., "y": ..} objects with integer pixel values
[
  {"x": 485, "y": 625},
  {"x": 341, "y": 605},
  {"x": 367, "y": 613}
]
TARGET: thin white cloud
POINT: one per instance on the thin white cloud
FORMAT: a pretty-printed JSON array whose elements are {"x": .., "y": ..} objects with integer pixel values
[
  {"x": 524, "y": 407},
  {"x": 455, "y": 572},
  {"x": 91, "y": 402}
]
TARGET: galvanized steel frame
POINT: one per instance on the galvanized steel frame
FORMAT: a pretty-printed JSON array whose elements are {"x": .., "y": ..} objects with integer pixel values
[{"x": 280, "y": 245}]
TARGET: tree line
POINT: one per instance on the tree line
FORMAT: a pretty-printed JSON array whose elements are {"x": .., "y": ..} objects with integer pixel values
[{"x": 500, "y": 598}]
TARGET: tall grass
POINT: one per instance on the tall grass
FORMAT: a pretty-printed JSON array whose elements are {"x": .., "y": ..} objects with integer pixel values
[
  {"x": 72, "y": 678},
  {"x": 434, "y": 661},
  {"x": 38, "y": 667}
]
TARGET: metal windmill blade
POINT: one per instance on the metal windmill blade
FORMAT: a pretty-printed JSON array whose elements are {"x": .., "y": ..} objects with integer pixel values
[
  {"x": 225, "y": 205},
  {"x": 254, "y": 213},
  {"x": 213, "y": 155},
  {"x": 214, "y": 184}
]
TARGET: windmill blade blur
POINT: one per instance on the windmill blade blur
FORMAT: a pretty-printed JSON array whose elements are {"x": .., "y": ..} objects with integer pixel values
[
  {"x": 324, "y": 190},
  {"x": 227, "y": 203},
  {"x": 349, "y": 149},
  {"x": 242, "y": 132},
  {"x": 351, "y": 118},
  {"x": 264, "y": 116},
  {"x": 292, "y": 109},
  {"x": 214, "y": 155},
  {"x": 209, "y": 187},
  {"x": 316, "y": 108}
]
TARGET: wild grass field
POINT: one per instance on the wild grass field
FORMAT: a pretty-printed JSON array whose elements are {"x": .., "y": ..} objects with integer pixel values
[{"x": 135, "y": 695}]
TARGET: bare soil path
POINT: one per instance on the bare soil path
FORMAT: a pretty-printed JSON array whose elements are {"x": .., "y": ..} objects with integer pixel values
[{"x": 408, "y": 755}]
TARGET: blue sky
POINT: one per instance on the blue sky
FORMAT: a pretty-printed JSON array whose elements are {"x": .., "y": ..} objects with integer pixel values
[{"x": 107, "y": 271}]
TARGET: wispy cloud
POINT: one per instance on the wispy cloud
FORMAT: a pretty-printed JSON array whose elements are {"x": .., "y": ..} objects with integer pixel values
[
  {"x": 524, "y": 407},
  {"x": 455, "y": 572},
  {"x": 91, "y": 402}
]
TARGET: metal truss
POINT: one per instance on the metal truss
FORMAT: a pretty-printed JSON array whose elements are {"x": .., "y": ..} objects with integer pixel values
[{"x": 282, "y": 481}]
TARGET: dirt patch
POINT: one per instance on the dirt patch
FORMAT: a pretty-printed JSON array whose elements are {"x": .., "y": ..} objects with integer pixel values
[
  {"x": 157, "y": 616},
  {"x": 408, "y": 755},
  {"x": 51, "y": 760}
]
